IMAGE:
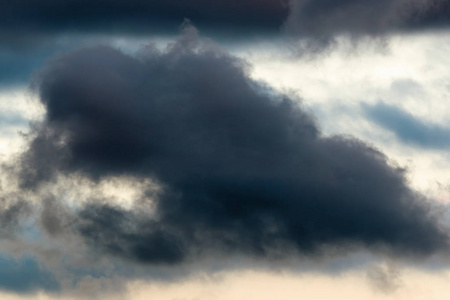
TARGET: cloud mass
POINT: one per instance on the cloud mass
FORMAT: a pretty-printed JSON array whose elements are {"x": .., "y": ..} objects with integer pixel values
[
  {"x": 317, "y": 21},
  {"x": 241, "y": 168},
  {"x": 137, "y": 160}
]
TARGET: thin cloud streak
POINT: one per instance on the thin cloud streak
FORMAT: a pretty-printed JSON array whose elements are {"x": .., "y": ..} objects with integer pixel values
[{"x": 407, "y": 128}]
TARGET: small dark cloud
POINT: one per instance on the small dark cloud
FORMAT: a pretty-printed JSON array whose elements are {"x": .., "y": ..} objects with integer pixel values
[
  {"x": 408, "y": 128},
  {"x": 54, "y": 215},
  {"x": 432, "y": 15},
  {"x": 124, "y": 234},
  {"x": 242, "y": 168}
]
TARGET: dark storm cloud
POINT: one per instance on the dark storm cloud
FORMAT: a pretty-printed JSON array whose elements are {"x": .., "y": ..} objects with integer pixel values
[
  {"x": 408, "y": 128},
  {"x": 436, "y": 14},
  {"x": 242, "y": 168},
  {"x": 321, "y": 21},
  {"x": 124, "y": 234},
  {"x": 19, "y": 18}
]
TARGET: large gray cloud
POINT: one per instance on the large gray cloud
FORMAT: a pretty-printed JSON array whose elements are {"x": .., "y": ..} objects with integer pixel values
[{"x": 242, "y": 168}]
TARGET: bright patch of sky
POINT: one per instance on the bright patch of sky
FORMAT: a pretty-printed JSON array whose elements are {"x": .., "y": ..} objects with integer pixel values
[{"x": 410, "y": 74}]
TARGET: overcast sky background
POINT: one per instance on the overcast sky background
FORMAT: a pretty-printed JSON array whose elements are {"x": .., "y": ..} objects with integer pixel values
[{"x": 250, "y": 149}]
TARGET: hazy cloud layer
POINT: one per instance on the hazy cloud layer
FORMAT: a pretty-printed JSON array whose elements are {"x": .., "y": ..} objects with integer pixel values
[
  {"x": 384, "y": 278},
  {"x": 408, "y": 128},
  {"x": 242, "y": 169}
]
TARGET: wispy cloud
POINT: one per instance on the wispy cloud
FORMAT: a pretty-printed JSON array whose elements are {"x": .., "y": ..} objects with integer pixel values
[{"x": 408, "y": 128}]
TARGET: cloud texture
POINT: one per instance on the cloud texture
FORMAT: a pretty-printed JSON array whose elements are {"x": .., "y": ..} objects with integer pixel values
[
  {"x": 323, "y": 20},
  {"x": 318, "y": 21},
  {"x": 241, "y": 168},
  {"x": 52, "y": 16}
]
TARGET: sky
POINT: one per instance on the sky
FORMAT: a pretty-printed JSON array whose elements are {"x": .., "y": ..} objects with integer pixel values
[{"x": 197, "y": 150}]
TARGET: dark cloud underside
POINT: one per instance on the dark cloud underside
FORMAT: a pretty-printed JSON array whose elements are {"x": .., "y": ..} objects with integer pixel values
[
  {"x": 320, "y": 21},
  {"x": 53, "y": 15},
  {"x": 242, "y": 168}
]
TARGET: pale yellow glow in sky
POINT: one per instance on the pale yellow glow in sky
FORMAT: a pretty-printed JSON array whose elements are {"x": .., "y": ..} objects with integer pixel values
[{"x": 414, "y": 285}]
